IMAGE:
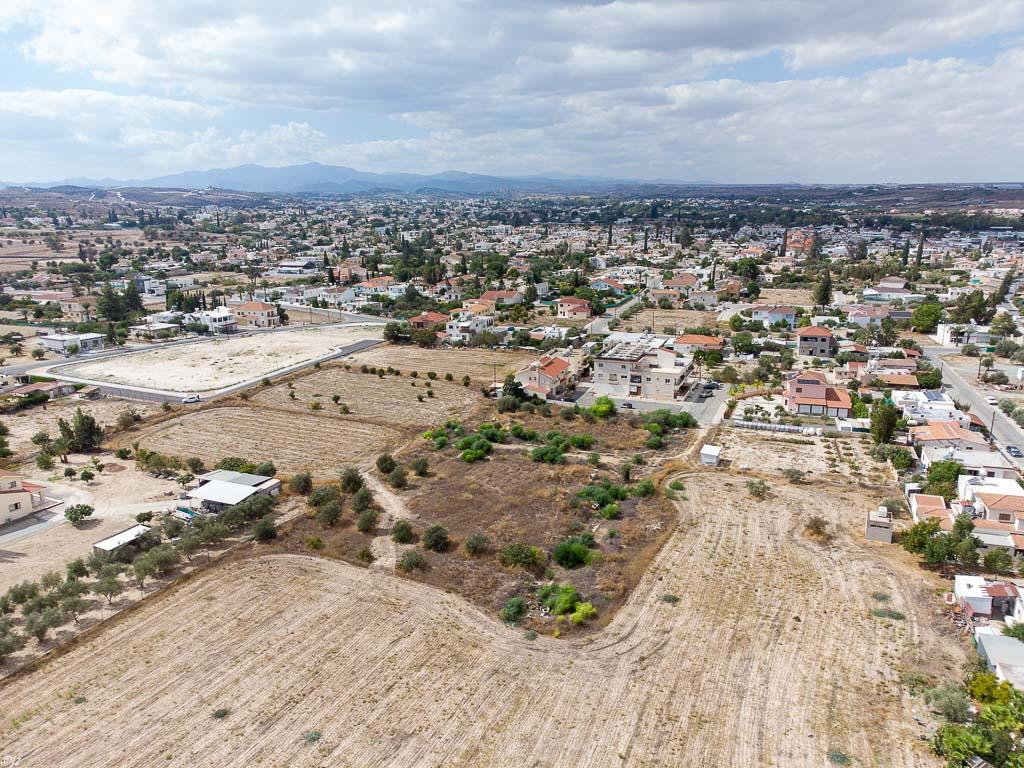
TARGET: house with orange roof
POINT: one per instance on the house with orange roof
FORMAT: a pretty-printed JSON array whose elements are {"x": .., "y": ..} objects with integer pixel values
[
  {"x": 773, "y": 313},
  {"x": 815, "y": 341},
  {"x": 947, "y": 434},
  {"x": 258, "y": 314},
  {"x": 606, "y": 284},
  {"x": 574, "y": 308},
  {"x": 549, "y": 376},
  {"x": 427, "y": 320},
  {"x": 19, "y": 497},
  {"x": 809, "y": 393},
  {"x": 689, "y": 343}
]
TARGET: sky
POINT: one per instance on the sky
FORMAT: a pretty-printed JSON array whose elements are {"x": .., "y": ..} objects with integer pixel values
[{"x": 843, "y": 91}]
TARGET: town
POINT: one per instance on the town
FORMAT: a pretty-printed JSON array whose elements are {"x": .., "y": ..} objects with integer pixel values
[{"x": 524, "y": 407}]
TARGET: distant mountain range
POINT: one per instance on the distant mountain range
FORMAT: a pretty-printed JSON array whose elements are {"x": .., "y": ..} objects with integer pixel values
[{"x": 317, "y": 179}]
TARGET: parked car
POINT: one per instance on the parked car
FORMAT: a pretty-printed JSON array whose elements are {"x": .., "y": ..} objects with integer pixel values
[
  {"x": 628, "y": 405},
  {"x": 991, "y": 400},
  {"x": 1014, "y": 451},
  {"x": 190, "y": 399}
]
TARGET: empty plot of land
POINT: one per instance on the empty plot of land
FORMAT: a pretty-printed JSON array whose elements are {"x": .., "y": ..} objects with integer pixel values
[
  {"x": 296, "y": 442},
  {"x": 210, "y": 365},
  {"x": 393, "y": 399},
  {"x": 834, "y": 458},
  {"x": 798, "y": 297},
  {"x": 770, "y": 657},
  {"x": 676, "y": 320},
  {"x": 24, "y": 424},
  {"x": 481, "y": 365}
]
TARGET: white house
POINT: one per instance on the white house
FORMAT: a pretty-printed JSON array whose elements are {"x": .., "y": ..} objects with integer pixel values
[
  {"x": 462, "y": 327},
  {"x": 645, "y": 368},
  {"x": 68, "y": 343}
]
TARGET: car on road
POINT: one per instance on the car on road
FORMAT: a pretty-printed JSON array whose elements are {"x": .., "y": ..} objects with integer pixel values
[
  {"x": 190, "y": 399},
  {"x": 991, "y": 400},
  {"x": 1014, "y": 451},
  {"x": 712, "y": 384},
  {"x": 628, "y": 405}
]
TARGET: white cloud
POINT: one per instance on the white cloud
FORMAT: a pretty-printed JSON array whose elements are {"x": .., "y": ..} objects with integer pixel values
[{"x": 625, "y": 87}]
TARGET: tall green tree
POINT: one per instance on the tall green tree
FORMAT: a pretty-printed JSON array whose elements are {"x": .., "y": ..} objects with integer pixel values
[
  {"x": 883, "y": 422},
  {"x": 823, "y": 290}
]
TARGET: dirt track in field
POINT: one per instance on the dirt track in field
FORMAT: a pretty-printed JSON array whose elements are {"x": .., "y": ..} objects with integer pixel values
[{"x": 770, "y": 657}]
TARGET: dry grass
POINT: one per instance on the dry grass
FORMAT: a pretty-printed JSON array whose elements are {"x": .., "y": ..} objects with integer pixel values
[
  {"x": 769, "y": 657},
  {"x": 819, "y": 457},
  {"x": 481, "y": 365},
  {"x": 392, "y": 399},
  {"x": 296, "y": 442},
  {"x": 676, "y": 319},
  {"x": 798, "y": 297},
  {"x": 24, "y": 424}
]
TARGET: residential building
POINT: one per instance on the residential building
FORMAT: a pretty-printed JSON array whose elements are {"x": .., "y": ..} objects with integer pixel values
[
  {"x": 427, "y": 320},
  {"x": 258, "y": 314},
  {"x": 550, "y": 376},
  {"x": 463, "y": 326},
  {"x": 573, "y": 308},
  {"x": 20, "y": 497},
  {"x": 810, "y": 393},
  {"x": 772, "y": 314},
  {"x": 815, "y": 341},
  {"x": 947, "y": 434},
  {"x": 72, "y": 343},
  {"x": 689, "y": 343},
  {"x": 645, "y": 368}
]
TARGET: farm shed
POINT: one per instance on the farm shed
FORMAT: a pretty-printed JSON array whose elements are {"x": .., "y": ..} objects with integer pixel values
[
  {"x": 711, "y": 455},
  {"x": 119, "y": 542},
  {"x": 218, "y": 495}
]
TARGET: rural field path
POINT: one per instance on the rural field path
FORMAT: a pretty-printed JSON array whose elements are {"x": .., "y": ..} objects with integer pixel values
[
  {"x": 766, "y": 655},
  {"x": 393, "y": 508}
]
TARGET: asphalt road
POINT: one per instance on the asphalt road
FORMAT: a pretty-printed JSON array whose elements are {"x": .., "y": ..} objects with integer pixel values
[{"x": 1004, "y": 430}]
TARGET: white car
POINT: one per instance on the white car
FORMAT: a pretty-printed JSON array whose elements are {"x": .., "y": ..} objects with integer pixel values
[
  {"x": 991, "y": 400},
  {"x": 190, "y": 399}
]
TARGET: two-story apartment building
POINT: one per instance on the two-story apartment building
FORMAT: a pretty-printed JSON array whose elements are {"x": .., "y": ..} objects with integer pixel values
[
  {"x": 573, "y": 308},
  {"x": 646, "y": 368},
  {"x": 815, "y": 341},
  {"x": 258, "y": 314},
  {"x": 463, "y": 326}
]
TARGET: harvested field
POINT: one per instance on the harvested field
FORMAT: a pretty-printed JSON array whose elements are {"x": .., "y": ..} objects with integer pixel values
[
  {"x": 797, "y": 297},
  {"x": 24, "y": 424},
  {"x": 391, "y": 400},
  {"x": 210, "y": 365},
  {"x": 481, "y": 365},
  {"x": 676, "y": 319},
  {"x": 820, "y": 457},
  {"x": 296, "y": 442},
  {"x": 752, "y": 667}
]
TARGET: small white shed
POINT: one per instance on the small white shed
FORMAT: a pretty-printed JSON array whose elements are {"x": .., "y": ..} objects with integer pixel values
[{"x": 710, "y": 455}]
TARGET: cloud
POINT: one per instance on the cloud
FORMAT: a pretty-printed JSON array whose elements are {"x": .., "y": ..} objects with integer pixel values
[{"x": 628, "y": 87}]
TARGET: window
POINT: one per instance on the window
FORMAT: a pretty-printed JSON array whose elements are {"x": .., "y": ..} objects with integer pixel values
[{"x": 14, "y": 507}]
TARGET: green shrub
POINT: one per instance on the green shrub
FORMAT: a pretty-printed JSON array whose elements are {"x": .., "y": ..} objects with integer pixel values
[
  {"x": 558, "y": 598},
  {"x": 520, "y": 555},
  {"x": 583, "y": 441},
  {"x": 410, "y": 560},
  {"x": 367, "y": 521},
  {"x": 401, "y": 532},
  {"x": 514, "y": 609},
  {"x": 583, "y": 612},
  {"x": 398, "y": 478},
  {"x": 420, "y": 466},
  {"x": 351, "y": 480},
  {"x": 435, "y": 537},
  {"x": 574, "y": 551},
  {"x": 476, "y": 544},
  {"x": 643, "y": 489},
  {"x": 548, "y": 454},
  {"x": 301, "y": 483},
  {"x": 329, "y": 513},
  {"x": 362, "y": 499},
  {"x": 264, "y": 529},
  {"x": 321, "y": 496},
  {"x": 386, "y": 463}
]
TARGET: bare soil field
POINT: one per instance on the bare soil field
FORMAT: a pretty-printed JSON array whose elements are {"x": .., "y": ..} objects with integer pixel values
[
  {"x": 819, "y": 457},
  {"x": 797, "y": 297},
  {"x": 481, "y": 365},
  {"x": 770, "y": 656},
  {"x": 211, "y": 365},
  {"x": 24, "y": 424},
  {"x": 676, "y": 319},
  {"x": 296, "y": 442},
  {"x": 389, "y": 400}
]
